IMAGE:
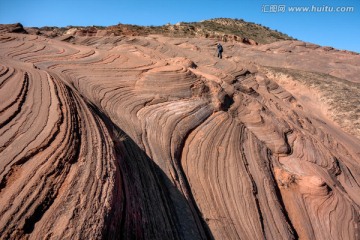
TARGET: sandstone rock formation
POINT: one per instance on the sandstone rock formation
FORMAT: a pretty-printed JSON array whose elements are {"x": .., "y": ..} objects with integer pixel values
[
  {"x": 12, "y": 28},
  {"x": 221, "y": 29},
  {"x": 151, "y": 137}
]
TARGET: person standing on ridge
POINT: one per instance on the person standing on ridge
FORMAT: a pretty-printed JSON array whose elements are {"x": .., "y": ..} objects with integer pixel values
[{"x": 220, "y": 50}]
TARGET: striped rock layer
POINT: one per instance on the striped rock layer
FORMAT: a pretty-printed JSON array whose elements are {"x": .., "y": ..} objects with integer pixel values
[{"x": 155, "y": 138}]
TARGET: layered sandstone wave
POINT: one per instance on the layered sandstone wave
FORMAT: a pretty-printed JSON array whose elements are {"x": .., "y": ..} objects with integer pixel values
[{"x": 155, "y": 138}]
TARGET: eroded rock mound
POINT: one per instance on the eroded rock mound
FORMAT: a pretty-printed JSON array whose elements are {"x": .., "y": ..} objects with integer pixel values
[
  {"x": 12, "y": 28},
  {"x": 155, "y": 138}
]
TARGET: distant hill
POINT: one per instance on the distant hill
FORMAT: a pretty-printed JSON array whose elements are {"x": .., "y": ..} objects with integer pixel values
[
  {"x": 224, "y": 29},
  {"x": 220, "y": 28}
]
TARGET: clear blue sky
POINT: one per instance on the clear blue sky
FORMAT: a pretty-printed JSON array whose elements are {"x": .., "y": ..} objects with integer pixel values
[{"x": 338, "y": 29}]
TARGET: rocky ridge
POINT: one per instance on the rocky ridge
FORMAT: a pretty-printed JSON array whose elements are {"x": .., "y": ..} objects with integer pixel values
[{"x": 222, "y": 29}]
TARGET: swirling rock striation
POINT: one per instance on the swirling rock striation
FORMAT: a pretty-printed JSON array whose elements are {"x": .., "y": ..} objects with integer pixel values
[{"x": 123, "y": 137}]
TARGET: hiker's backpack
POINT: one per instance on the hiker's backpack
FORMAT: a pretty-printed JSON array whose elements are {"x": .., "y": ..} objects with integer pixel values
[{"x": 220, "y": 48}]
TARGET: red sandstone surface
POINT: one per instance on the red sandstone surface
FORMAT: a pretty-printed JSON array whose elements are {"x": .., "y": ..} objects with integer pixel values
[{"x": 152, "y": 137}]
